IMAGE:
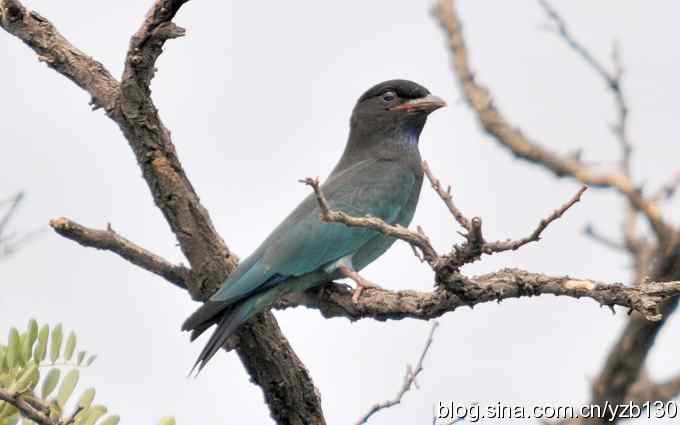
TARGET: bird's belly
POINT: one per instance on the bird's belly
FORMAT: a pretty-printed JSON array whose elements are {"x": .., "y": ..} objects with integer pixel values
[{"x": 346, "y": 261}]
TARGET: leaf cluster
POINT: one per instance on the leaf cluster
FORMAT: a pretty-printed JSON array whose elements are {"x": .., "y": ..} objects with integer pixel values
[{"x": 41, "y": 367}]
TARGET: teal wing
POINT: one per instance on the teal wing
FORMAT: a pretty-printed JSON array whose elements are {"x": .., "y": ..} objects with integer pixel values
[{"x": 303, "y": 243}]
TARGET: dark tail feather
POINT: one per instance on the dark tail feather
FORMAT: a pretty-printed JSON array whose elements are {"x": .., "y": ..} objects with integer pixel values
[
  {"x": 229, "y": 316},
  {"x": 204, "y": 317},
  {"x": 229, "y": 322},
  {"x": 198, "y": 330}
]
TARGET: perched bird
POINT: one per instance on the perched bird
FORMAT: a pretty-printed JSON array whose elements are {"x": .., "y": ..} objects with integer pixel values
[{"x": 379, "y": 174}]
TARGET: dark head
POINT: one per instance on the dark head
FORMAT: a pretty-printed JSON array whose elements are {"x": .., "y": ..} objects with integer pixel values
[{"x": 387, "y": 120}]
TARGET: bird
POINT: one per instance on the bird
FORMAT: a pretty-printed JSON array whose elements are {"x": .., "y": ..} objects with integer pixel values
[{"x": 379, "y": 174}]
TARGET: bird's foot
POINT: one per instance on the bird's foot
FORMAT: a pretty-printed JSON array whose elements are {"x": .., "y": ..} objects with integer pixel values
[
  {"x": 360, "y": 288},
  {"x": 360, "y": 281}
]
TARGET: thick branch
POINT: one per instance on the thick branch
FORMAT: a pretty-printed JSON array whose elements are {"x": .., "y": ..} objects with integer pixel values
[
  {"x": 53, "y": 49},
  {"x": 109, "y": 240},
  {"x": 335, "y": 300},
  {"x": 646, "y": 390},
  {"x": 150, "y": 140},
  {"x": 130, "y": 106},
  {"x": 512, "y": 138}
]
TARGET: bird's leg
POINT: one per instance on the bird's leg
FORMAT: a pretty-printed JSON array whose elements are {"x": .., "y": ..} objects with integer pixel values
[{"x": 360, "y": 281}]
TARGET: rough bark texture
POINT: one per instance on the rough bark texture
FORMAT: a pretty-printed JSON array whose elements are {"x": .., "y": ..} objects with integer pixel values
[
  {"x": 453, "y": 290},
  {"x": 266, "y": 354},
  {"x": 292, "y": 396}
]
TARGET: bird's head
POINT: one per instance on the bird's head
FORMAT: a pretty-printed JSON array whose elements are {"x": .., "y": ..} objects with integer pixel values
[
  {"x": 395, "y": 102},
  {"x": 392, "y": 112}
]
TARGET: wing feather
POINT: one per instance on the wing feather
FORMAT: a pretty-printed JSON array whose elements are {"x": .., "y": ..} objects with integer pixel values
[{"x": 303, "y": 243}]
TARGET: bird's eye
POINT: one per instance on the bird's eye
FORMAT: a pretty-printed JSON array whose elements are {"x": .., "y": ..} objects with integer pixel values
[{"x": 388, "y": 96}]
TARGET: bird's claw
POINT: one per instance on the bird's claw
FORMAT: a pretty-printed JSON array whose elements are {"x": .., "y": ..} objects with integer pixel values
[{"x": 361, "y": 285}]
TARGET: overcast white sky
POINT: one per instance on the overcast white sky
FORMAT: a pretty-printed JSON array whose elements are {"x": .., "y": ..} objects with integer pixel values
[{"x": 259, "y": 95}]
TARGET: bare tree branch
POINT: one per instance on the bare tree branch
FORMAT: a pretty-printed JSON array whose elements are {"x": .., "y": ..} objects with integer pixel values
[
  {"x": 612, "y": 79},
  {"x": 27, "y": 408},
  {"x": 417, "y": 239},
  {"x": 646, "y": 390},
  {"x": 11, "y": 242},
  {"x": 14, "y": 203},
  {"x": 53, "y": 49},
  {"x": 109, "y": 240},
  {"x": 604, "y": 240},
  {"x": 409, "y": 381},
  {"x": 265, "y": 352},
  {"x": 627, "y": 357},
  {"x": 542, "y": 225},
  {"x": 445, "y": 196},
  {"x": 669, "y": 189},
  {"x": 512, "y": 138},
  {"x": 468, "y": 252},
  {"x": 456, "y": 290}
]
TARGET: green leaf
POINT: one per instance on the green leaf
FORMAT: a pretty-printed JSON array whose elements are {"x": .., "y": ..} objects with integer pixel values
[
  {"x": 25, "y": 348},
  {"x": 86, "y": 398},
  {"x": 91, "y": 359},
  {"x": 32, "y": 331},
  {"x": 3, "y": 357},
  {"x": 92, "y": 415},
  {"x": 81, "y": 357},
  {"x": 50, "y": 382},
  {"x": 41, "y": 348},
  {"x": 55, "y": 344},
  {"x": 10, "y": 410},
  {"x": 68, "y": 384},
  {"x": 26, "y": 380},
  {"x": 111, "y": 420},
  {"x": 13, "y": 348},
  {"x": 167, "y": 420},
  {"x": 70, "y": 346},
  {"x": 14, "y": 420}
]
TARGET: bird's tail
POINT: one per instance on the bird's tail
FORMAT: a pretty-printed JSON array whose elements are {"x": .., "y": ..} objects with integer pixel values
[
  {"x": 228, "y": 319},
  {"x": 229, "y": 316}
]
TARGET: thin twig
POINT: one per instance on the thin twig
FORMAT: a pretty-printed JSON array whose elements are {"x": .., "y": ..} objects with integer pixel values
[
  {"x": 409, "y": 381},
  {"x": 445, "y": 195},
  {"x": 535, "y": 236},
  {"x": 417, "y": 239},
  {"x": 604, "y": 240},
  {"x": 14, "y": 203},
  {"x": 612, "y": 79},
  {"x": 668, "y": 190},
  {"x": 511, "y": 137}
]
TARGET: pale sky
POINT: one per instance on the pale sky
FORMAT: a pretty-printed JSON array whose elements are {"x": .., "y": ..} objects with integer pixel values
[{"x": 258, "y": 96}]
